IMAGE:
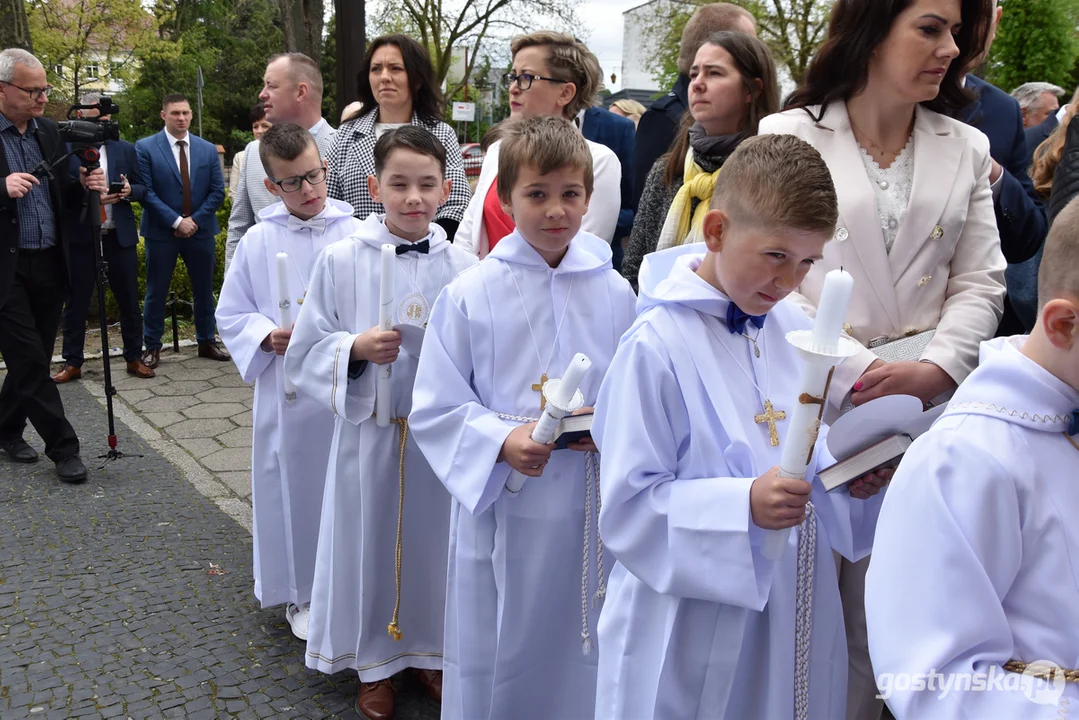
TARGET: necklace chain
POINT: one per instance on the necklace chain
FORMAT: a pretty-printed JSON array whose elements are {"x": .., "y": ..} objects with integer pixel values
[
  {"x": 882, "y": 150},
  {"x": 528, "y": 321},
  {"x": 752, "y": 378},
  {"x": 1074, "y": 444}
]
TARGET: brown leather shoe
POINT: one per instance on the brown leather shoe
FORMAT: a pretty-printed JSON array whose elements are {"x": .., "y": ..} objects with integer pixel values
[
  {"x": 139, "y": 369},
  {"x": 151, "y": 358},
  {"x": 213, "y": 351},
  {"x": 69, "y": 373},
  {"x": 431, "y": 682},
  {"x": 376, "y": 700}
]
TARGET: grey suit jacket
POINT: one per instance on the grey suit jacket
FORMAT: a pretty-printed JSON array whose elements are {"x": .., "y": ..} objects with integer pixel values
[{"x": 251, "y": 194}]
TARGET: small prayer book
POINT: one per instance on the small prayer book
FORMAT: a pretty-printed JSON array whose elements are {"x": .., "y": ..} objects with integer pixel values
[
  {"x": 571, "y": 429},
  {"x": 886, "y": 453}
]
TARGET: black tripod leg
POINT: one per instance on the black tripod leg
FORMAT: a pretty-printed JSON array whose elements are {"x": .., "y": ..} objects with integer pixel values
[{"x": 173, "y": 301}]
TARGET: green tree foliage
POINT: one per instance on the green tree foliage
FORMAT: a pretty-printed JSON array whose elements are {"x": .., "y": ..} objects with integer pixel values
[
  {"x": 792, "y": 29},
  {"x": 231, "y": 40},
  {"x": 88, "y": 43},
  {"x": 1036, "y": 42}
]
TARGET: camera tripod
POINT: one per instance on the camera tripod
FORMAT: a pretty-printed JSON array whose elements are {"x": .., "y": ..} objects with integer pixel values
[{"x": 89, "y": 157}]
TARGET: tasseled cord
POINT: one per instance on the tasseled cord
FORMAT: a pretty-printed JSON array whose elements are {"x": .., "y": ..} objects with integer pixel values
[
  {"x": 803, "y": 622},
  {"x": 591, "y": 466},
  {"x": 394, "y": 629}
]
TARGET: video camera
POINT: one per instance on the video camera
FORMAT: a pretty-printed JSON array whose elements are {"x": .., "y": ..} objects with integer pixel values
[{"x": 91, "y": 131}]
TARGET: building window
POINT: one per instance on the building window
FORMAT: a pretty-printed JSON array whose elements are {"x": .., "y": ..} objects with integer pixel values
[
  {"x": 58, "y": 70},
  {"x": 92, "y": 72}
]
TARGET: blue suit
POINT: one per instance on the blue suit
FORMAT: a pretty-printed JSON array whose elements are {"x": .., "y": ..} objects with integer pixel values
[
  {"x": 120, "y": 250},
  {"x": 1021, "y": 218},
  {"x": 616, "y": 132},
  {"x": 1039, "y": 134},
  {"x": 162, "y": 206}
]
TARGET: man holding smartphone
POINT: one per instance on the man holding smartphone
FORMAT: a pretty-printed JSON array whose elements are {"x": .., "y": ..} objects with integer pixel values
[{"x": 119, "y": 245}]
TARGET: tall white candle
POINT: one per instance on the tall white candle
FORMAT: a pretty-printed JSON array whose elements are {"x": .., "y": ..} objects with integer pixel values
[
  {"x": 385, "y": 324},
  {"x": 832, "y": 308},
  {"x": 805, "y": 418},
  {"x": 284, "y": 305}
]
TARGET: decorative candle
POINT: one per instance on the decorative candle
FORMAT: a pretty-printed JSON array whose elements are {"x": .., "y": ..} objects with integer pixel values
[
  {"x": 284, "y": 305},
  {"x": 385, "y": 324},
  {"x": 832, "y": 308}
]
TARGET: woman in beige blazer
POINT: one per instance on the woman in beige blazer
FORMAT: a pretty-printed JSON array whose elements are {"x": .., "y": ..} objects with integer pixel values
[
  {"x": 917, "y": 228},
  {"x": 916, "y": 224}
]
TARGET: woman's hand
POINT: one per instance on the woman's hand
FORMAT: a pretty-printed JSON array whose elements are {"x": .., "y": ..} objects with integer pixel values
[
  {"x": 923, "y": 380},
  {"x": 870, "y": 484}
]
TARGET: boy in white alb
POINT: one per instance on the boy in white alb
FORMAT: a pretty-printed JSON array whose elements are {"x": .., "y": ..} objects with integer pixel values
[
  {"x": 377, "y": 568},
  {"x": 974, "y": 579},
  {"x": 290, "y": 439},
  {"x": 698, "y": 623},
  {"x": 523, "y": 567}
]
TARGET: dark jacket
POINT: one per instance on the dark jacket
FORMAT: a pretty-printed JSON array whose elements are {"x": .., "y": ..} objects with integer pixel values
[
  {"x": 1038, "y": 134},
  {"x": 63, "y": 191},
  {"x": 1066, "y": 176},
  {"x": 122, "y": 160},
  {"x": 1020, "y": 214},
  {"x": 656, "y": 131},
  {"x": 616, "y": 132}
]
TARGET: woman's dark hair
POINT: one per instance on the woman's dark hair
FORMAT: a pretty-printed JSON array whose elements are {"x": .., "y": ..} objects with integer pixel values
[
  {"x": 753, "y": 61},
  {"x": 427, "y": 101},
  {"x": 856, "y": 29},
  {"x": 257, "y": 112}
]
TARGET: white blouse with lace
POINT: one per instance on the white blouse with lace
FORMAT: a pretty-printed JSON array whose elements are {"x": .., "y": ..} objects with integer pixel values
[{"x": 891, "y": 187}]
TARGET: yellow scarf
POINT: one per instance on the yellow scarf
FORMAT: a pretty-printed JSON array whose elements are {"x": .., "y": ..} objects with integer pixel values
[{"x": 683, "y": 224}]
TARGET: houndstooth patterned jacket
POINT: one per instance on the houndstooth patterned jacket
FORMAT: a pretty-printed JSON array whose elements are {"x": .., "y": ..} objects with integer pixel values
[
  {"x": 251, "y": 194},
  {"x": 352, "y": 159}
]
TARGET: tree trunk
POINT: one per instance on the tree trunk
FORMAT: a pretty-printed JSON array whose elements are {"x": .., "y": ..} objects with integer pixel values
[
  {"x": 351, "y": 44},
  {"x": 14, "y": 32},
  {"x": 302, "y": 24}
]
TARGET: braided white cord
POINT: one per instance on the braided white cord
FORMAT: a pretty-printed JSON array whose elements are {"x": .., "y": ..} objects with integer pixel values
[
  {"x": 586, "y": 637},
  {"x": 803, "y": 623},
  {"x": 517, "y": 418},
  {"x": 601, "y": 582}
]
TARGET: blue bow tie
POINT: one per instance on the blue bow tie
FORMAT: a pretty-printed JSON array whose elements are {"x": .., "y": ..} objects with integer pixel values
[
  {"x": 1073, "y": 429},
  {"x": 737, "y": 319}
]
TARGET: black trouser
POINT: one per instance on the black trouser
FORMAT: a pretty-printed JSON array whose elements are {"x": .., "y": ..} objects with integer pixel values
[
  {"x": 28, "y": 322},
  {"x": 124, "y": 281}
]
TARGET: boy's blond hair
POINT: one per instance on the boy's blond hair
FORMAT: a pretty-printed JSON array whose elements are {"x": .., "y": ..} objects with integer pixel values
[
  {"x": 546, "y": 144},
  {"x": 777, "y": 181},
  {"x": 1058, "y": 275},
  {"x": 569, "y": 60}
]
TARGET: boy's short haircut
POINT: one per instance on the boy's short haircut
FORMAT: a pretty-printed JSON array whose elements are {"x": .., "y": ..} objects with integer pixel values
[
  {"x": 1058, "y": 275},
  {"x": 409, "y": 137},
  {"x": 172, "y": 99},
  {"x": 546, "y": 144},
  {"x": 284, "y": 141},
  {"x": 777, "y": 181}
]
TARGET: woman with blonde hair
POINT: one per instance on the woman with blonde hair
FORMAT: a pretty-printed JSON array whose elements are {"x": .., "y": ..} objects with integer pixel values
[
  {"x": 552, "y": 75},
  {"x": 732, "y": 87},
  {"x": 628, "y": 108}
]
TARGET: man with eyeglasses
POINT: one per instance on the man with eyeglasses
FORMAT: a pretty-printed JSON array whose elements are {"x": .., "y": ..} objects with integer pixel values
[
  {"x": 291, "y": 93},
  {"x": 184, "y": 189},
  {"x": 34, "y": 263}
]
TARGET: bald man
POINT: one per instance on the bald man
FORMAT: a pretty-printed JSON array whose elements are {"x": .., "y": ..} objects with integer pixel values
[{"x": 291, "y": 93}]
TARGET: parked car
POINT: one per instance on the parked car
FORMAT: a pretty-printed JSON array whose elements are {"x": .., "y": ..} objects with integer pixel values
[{"x": 473, "y": 157}]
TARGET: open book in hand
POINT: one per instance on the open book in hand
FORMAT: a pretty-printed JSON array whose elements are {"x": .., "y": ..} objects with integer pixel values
[
  {"x": 874, "y": 436},
  {"x": 571, "y": 429}
]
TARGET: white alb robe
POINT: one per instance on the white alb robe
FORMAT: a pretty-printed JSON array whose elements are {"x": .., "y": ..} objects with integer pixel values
[
  {"x": 290, "y": 441},
  {"x": 355, "y": 590},
  {"x": 976, "y": 559},
  {"x": 513, "y": 605},
  {"x": 697, "y": 623}
]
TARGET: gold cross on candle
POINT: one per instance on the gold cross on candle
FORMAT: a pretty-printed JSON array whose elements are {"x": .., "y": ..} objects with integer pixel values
[
  {"x": 770, "y": 416},
  {"x": 538, "y": 387}
]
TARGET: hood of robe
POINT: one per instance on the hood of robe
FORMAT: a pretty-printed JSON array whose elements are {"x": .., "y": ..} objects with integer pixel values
[
  {"x": 375, "y": 234},
  {"x": 670, "y": 277},
  {"x": 586, "y": 253},
  {"x": 1011, "y": 387},
  {"x": 278, "y": 213}
]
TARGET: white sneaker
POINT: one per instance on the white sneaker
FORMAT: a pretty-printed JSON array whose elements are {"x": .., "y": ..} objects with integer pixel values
[{"x": 297, "y": 616}]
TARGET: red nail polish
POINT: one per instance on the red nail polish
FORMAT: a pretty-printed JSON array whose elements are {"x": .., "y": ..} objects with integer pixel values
[{"x": 858, "y": 385}]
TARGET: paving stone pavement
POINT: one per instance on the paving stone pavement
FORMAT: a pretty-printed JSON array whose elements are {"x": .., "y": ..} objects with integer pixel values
[{"x": 109, "y": 604}]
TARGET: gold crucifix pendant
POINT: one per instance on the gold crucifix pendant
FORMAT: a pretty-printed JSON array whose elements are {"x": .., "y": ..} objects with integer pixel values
[
  {"x": 770, "y": 416},
  {"x": 538, "y": 387}
]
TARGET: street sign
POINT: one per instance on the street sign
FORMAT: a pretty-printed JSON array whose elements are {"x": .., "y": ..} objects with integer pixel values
[{"x": 464, "y": 111}]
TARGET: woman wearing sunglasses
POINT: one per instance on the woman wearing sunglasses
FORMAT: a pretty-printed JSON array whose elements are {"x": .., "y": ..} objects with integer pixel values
[{"x": 552, "y": 75}]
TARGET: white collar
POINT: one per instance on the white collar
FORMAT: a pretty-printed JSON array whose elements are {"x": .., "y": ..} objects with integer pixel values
[
  {"x": 317, "y": 127},
  {"x": 1061, "y": 113},
  {"x": 173, "y": 140}
]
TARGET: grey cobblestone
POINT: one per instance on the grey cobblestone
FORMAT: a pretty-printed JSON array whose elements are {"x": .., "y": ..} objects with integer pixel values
[{"x": 107, "y": 606}]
